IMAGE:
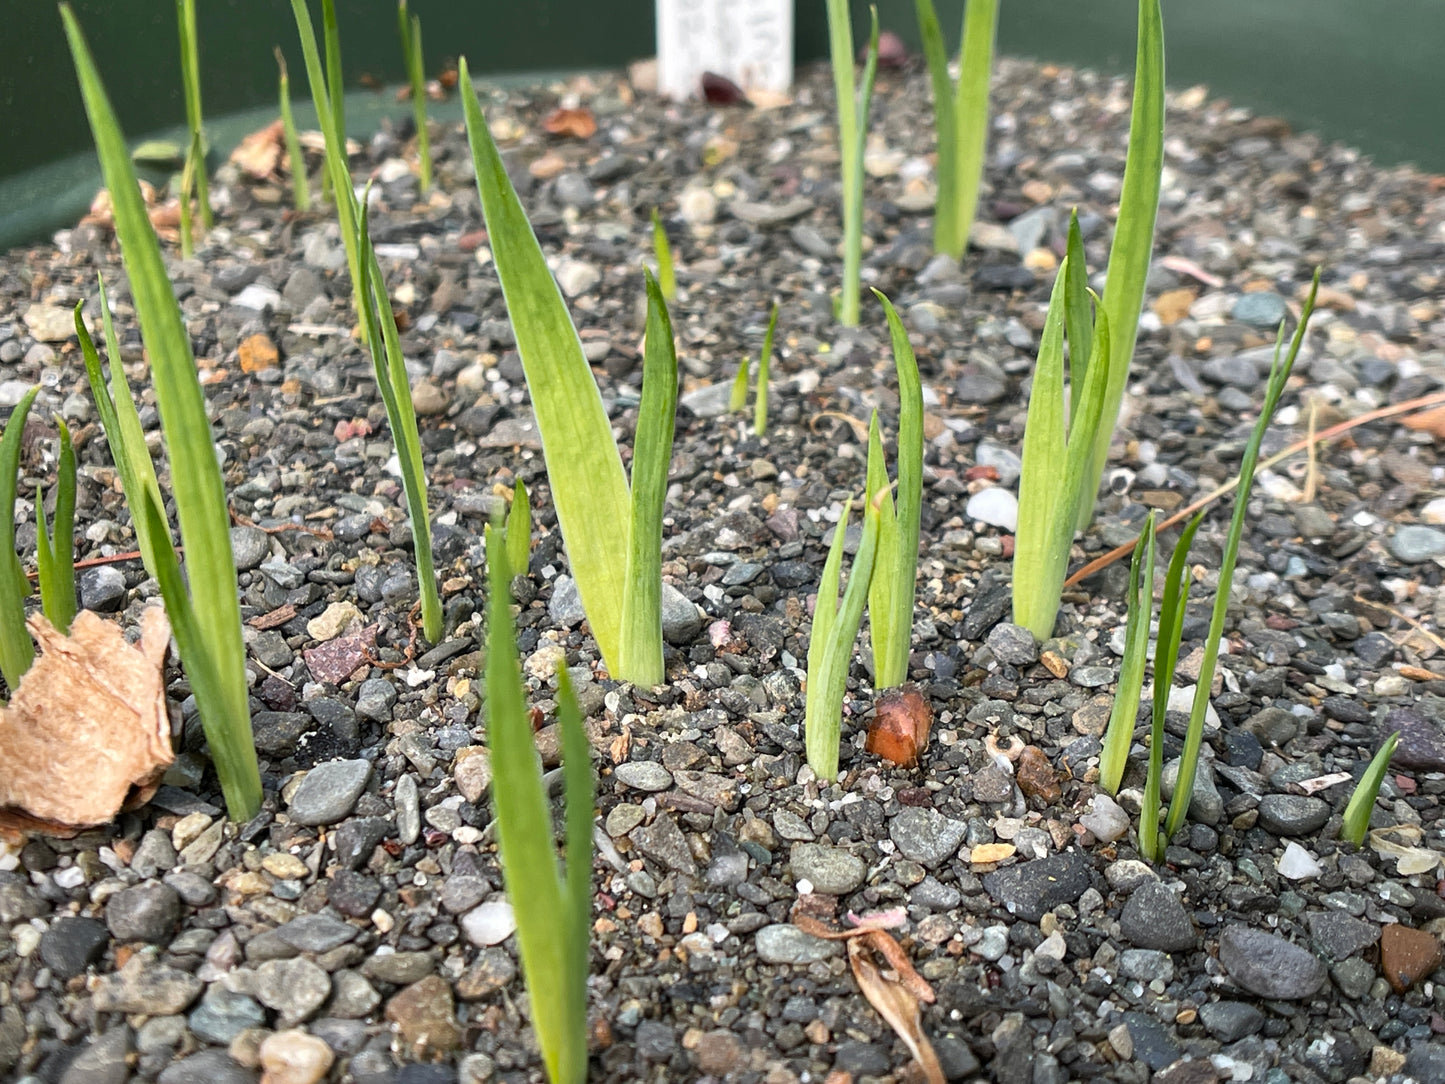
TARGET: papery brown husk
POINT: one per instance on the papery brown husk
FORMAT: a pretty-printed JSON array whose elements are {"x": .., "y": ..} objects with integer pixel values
[
  {"x": 87, "y": 733},
  {"x": 902, "y": 721}
]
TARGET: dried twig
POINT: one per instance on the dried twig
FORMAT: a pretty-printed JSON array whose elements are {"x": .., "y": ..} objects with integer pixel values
[{"x": 1098, "y": 564}]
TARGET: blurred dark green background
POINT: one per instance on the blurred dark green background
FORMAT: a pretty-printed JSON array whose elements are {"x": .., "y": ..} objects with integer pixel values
[{"x": 1364, "y": 71}]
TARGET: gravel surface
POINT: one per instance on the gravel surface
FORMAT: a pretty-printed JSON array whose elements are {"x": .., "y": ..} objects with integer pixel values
[{"x": 356, "y": 930}]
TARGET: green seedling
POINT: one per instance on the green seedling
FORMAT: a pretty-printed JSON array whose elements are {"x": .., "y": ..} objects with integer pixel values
[
  {"x": 1056, "y": 453},
  {"x": 1133, "y": 237},
  {"x": 206, "y": 620},
  {"x": 760, "y": 398},
  {"x": 17, "y": 650},
  {"x": 552, "y": 907},
  {"x": 853, "y": 106},
  {"x": 409, "y": 28},
  {"x": 738, "y": 400},
  {"x": 389, "y": 369},
  {"x": 960, "y": 113},
  {"x": 830, "y": 644},
  {"x": 612, "y": 531},
  {"x": 1120, "y": 732},
  {"x": 662, "y": 250},
  {"x": 895, "y": 571},
  {"x": 1356, "y": 820},
  {"x": 373, "y": 305},
  {"x": 195, "y": 169},
  {"x": 519, "y": 528},
  {"x": 1194, "y": 736},
  {"x": 55, "y": 553},
  {"x": 121, "y": 424},
  {"x": 1166, "y": 658},
  {"x": 301, "y": 193}
]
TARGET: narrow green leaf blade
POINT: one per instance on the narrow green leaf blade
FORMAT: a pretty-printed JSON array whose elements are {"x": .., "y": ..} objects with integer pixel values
[
  {"x": 589, "y": 488},
  {"x": 901, "y": 566},
  {"x": 970, "y": 110},
  {"x": 738, "y": 399},
  {"x": 389, "y": 367},
  {"x": 579, "y": 814},
  {"x": 55, "y": 554},
  {"x": 196, "y": 476},
  {"x": 1038, "y": 571},
  {"x": 641, "y": 648},
  {"x": 519, "y": 528},
  {"x": 1194, "y": 736},
  {"x": 1120, "y": 732},
  {"x": 524, "y": 830},
  {"x": 881, "y": 609},
  {"x": 17, "y": 651},
  {"x": 827, "y": 681},
  {"x": 1133, "y": 234},
  {"x": 947, "y": 237},
  {"x": 662, "y": 249},
  {"x": 1078, "y": 314},
  {"x": 1356, "y": 820},
  {"x": 760, "y": 401}
]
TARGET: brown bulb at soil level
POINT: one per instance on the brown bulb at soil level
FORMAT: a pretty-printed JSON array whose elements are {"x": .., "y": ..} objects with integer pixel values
[{"x": 901, "y": 723}]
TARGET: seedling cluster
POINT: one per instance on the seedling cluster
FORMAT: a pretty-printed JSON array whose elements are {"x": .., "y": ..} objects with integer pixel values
[{"x": 611, "y": 520}]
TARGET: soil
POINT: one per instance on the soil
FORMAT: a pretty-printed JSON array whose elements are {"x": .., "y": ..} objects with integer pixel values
[{"x": 172, "y": 943}]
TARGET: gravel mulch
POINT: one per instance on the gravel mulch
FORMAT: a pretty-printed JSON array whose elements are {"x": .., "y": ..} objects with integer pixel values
[{"x": 361, "y": 917}]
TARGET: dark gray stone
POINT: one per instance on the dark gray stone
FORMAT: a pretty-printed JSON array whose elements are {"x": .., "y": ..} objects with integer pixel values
[
  {"x": 71, "y": 945},
  {"x": 1228, "y": 1021},
  {"x": 329, "y": 792},
  {"x": 1292, "y": 814},
  {"x": 1153, "y": 918},
  {"x": 1267, "y": 965},
  {"x": 1031, "y": 889},
  {"x": 1013, "y": 644},
  {"x": 207, "y": 1067},
  {"x": 147, "y": 912},
  {"x": 222, "y": 1015},
  {"x": 102, "y": 589},
  {"x": 926, "y": 836}
]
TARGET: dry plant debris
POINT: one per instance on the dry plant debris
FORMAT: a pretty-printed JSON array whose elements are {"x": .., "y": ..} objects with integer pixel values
[{"x": 87, "y": 733}]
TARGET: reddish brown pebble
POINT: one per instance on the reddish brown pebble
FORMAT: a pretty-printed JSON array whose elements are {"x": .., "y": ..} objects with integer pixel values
[
  {"x": 1408, "y": 955},
  {"x": 981, "y": 473},
  {"x": 720, "y": 90},
  {"x": 900, "y": 727},
  {"x": 892, "y": 53},
  {"x": 1036, "y": 776}
]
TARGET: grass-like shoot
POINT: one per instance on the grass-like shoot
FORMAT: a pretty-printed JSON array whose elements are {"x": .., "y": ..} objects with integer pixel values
[
  {"x": 124, "y": 434},
  {"x": 612, "y": 531},
  {"x": 830, "y": 643},
  {"x": 895, "y": 570},
  {"x": 662, "y": 251},
  {"x": 373, "y": 305},
  {"x": 738, "y": 400},
  {"x": 1120, "y": 732},
  {"x": 389, "y": 368},
  {"x": 409, "y": 29},
  {"x": 853, "y": 105},
  {"x": 519, "y": 528},
  {"x": 206, "y": 620},
  {"x": 1166, "y": 658},
  {"x": 55, "y": 551},
  {"x": 760, "y": 397},
  {"x": 960, "y": 113},
  {"x": 1194, "y": 736},
  {"x": 552, "y": 907},
  {"x": 1133, "y": 235},
  {"x": 1356, "y": 820},
  {"x": 17, "y": 650},
  {"x": 1057, "y": 452},
  {"x": 194, "y": 174},
  {"x": 300, "y": 192}
]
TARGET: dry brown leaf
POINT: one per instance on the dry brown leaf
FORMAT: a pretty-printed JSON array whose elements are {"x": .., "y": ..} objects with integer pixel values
[
  {"x": 87, "y": 733},
  {"x": 259, "y": 153},
  {"x": 577, "y": 123},
  {"x": 895, "y": 1001}
]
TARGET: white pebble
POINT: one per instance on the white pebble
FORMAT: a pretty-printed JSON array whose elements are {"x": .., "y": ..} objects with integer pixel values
[
  {"x": 1298, "y": 864},
  {"x": 490, "y": 923},
  {"x": 1105, "y": 819},
  {"x": 995, "y": 506}
]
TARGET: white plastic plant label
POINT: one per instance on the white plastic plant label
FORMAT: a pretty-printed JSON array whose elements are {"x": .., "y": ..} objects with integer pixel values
[{"x": 748, "y": 41}]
